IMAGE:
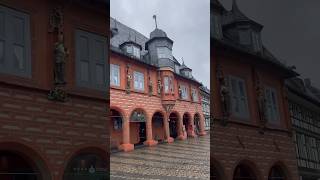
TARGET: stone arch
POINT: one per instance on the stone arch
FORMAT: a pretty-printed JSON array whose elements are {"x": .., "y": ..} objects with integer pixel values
[
  {"x": 187, "y": 120},
  {"x": 86, "y": 162},
  {"x": 138, "y": 126},
  {"x": 197, "y": 123},
  {"x": 174, "y": 121},
  {"x": 217, "y": 171},
  {"x": 279, "y": 171},
  {"x": 158, "y": 128},
  {"x": 117, "y": 118},
  {"x": 29, "y": 158},
  {"x": 246, "y": 170}
]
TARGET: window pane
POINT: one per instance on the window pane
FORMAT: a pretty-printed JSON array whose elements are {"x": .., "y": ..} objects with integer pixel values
[
  {"x": 138, "y": 81},
  {"x": 18, "y": 30},
  {"x": 100, "y": 74},
  {"x": 166, "y": 84},
  {"x": 84, "y": 71},
  {"x": 129, "y": 49},
  {"x": 115, "y": 75},
  {"x": 164, "y": 52},
  {"x": 84, "y": 48},
  {"x": 1, "y": 51},
  {"x": 19, "y": 57},
  {"x": 2, "y": 27},
  {"x": 99, "y": 50}
]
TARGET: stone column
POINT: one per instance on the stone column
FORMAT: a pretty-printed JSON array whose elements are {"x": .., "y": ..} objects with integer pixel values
[
  {"x": 166, "y": 128},
  {"x": 183, "y": 131},
  {"x": 202, "y": 124},
  {"x": 191, "y": 121},
  {"x": 126, "y": 145},
  {"x": 150, "y": 141}
]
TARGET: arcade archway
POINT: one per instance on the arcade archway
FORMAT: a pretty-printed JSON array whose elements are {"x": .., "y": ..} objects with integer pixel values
[
  {"x": 138, "y": 131},
  {"x": 158, "y": 127},
  {"x": 87, "y": 166},
  {"x": 173, "y": 125},
  {"x": 116, "y": 122},
  {"x": 244, "y": 172},
  {"x": 277, "y": 173}
]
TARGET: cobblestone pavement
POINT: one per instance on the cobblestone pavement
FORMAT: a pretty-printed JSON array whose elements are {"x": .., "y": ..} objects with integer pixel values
[{"x": 189, "y": 159}]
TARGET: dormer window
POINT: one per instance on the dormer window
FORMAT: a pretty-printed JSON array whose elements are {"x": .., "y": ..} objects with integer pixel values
[
  {"x": 217, "y": 31},
  {"x": 133, "y": 50},
  {"x": 256, "y": 42},
  {"x": 187, "y": 73},
  {"x": 164, "y": 53}
]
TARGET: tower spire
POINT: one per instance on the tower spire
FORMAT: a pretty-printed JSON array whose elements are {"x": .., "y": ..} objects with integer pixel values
[{"x": 155, "y": 20}]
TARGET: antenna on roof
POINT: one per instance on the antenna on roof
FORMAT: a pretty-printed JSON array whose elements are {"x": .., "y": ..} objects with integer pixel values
[{"x": 155, "y": 20}]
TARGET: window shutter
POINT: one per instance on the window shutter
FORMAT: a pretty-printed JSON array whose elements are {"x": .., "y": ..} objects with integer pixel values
[
  {"x": 99, "y": 59},
  {"x": 83, "y": 58}
]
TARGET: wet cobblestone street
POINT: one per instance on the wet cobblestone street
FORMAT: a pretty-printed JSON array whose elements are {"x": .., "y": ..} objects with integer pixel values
[{"x": 189, "y": 159}]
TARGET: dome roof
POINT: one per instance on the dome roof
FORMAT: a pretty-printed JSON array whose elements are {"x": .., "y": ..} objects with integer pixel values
[{"x": 157, "y": 33}]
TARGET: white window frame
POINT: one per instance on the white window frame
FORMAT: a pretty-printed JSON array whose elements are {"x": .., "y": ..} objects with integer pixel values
[
  {"x": 164, "y": 52},
  {"x": 237, "y": 97},
  {"x": 272, "y": 106},
  {"x": 184, "y": 92},
  {"x": 136, "y": 52},
  {"x": 166, "y": 84},
  {"x": 194, "y": 95},
  {"x": 138, "y": 79},
  {"x": 114, "y": 73}
]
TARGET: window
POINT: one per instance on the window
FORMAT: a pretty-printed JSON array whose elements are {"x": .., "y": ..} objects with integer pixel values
[
  {"x": 271, "y": 105},
  {"x": 256, "y": 41},
  {"x": 91, "y": 60},
  {"x": 194, "y": 95},
  {"x": 164, "y": 52},
  {"x": 239, "y": 105},
  {"x": 138, "y": 81},
  {"x": 244, "y": 37},
  {"x": 15, "y": 45},
  {"x": 177, "y": 69},
  {"x": 166, "y": 84},
  {"x": 217, "y": 32},
  {"x": 184, "y": 92},
  {"x": 133, "y": 50},
  {"x": 115, "y": 75}
]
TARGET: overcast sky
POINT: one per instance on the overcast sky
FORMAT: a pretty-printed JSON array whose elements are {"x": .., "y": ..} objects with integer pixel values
[
  {"x": 291, "y": 31},
  {"x": 186, "y": 22}
]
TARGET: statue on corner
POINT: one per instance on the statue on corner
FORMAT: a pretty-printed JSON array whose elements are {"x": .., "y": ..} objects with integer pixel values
[{"x": 60, "y": 54}]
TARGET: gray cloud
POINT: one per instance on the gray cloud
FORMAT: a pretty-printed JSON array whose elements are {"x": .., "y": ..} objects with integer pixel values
[
  {"x": 186, "y": 22},
  {"x": 291, "y": 31}
]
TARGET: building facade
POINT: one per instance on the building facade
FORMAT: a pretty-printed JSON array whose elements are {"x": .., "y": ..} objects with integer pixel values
[
  {"x": 251, "y": 136},
  {"x": 304, "y": 106},
  {"x": 205, "y": 101},
  {"x": 53, "y": 101},
  {"x": 153, "y": 97}
]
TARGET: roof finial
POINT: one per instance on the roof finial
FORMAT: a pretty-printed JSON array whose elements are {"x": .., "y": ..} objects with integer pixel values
[
  {"x": 155, "y": 20},
  {"x": 182, "y": 60}
]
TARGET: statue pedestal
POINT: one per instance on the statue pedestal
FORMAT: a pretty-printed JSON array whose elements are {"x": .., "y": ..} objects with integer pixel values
[{"x": 126, "y": 147}]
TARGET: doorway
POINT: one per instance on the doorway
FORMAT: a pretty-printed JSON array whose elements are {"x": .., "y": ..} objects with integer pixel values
[
  {"x": 142, "y": 133},
  {"x": 173, "y": 125}
]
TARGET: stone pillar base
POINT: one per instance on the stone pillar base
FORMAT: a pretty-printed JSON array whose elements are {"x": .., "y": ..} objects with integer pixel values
[
  {"x": 126, "y": 147},
  {"x": 150, "y": 142},
  {"x": 202, "y": 133},
  {"x": 192, "y": 134},
  {"x": 182, "y": 137},
  {"x": 169, "y": 140}
]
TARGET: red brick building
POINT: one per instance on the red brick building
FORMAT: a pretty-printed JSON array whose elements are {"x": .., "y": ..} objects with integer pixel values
[
  {"x": 153, "y": 98},
  {"x": 251, "y": 137},
  {"x": 53, "y": 101}
]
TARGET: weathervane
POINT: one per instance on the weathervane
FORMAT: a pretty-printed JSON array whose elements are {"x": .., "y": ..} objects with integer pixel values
[{"x": 155, "y": 20}]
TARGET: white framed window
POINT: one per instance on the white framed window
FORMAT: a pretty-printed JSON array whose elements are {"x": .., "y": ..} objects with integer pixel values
[
  {"x": 184, "y": 92},
  {"x": 239, "y": 101},
  {"x": 194, "y": 95},
  {"x": 177, "y": 68},
  {"x": 15, "y": 42},
  {"x": 133, "y": 50},
  {"x": 166, "y": 84},
  {"x": 271, "y": 105},
  {"x": 256, "y": 41},
  {"x": 164, "y": 52},
  {"x": 114, "y": 75},
  {"x": 138, "y": 78},
  {"x": 91, "y": 60}
]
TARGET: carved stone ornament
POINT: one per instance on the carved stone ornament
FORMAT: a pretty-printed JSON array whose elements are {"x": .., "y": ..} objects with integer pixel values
[
  {"x": 60, "y": 55},
  {"x": 261, "y": 101},
  {"x": 58, "y": 94},
  {"x": 224, "y": 95},
  {"x": 129, "y": 78},
  {"x": 180, "y": 92},
  {"x": 150, "y": 84},
  {"x": 56, "y": 20}
]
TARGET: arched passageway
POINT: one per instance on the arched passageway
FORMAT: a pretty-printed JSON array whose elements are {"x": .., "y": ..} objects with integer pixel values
[
  {"x": 173, "y": 125},
  {"x": 116, "y": 122},
  {"x": 14, "y": 166},
  {"x": 158, "y": 131},
  {"x": 215, "y": 173},
  {"x": 138, "y": 131},
  {"x": 187, "y": 123},
  {"x": 86, "y": 166},
  {"x": 244, "y": 172},
  {"x": 277, "y": 173},
  {"x": 197, "y": 124}
]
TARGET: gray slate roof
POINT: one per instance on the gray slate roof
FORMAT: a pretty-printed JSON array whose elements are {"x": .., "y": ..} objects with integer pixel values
[
  {"x": 125, "y": 34},
  {"x": 304, "y": 88}
]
